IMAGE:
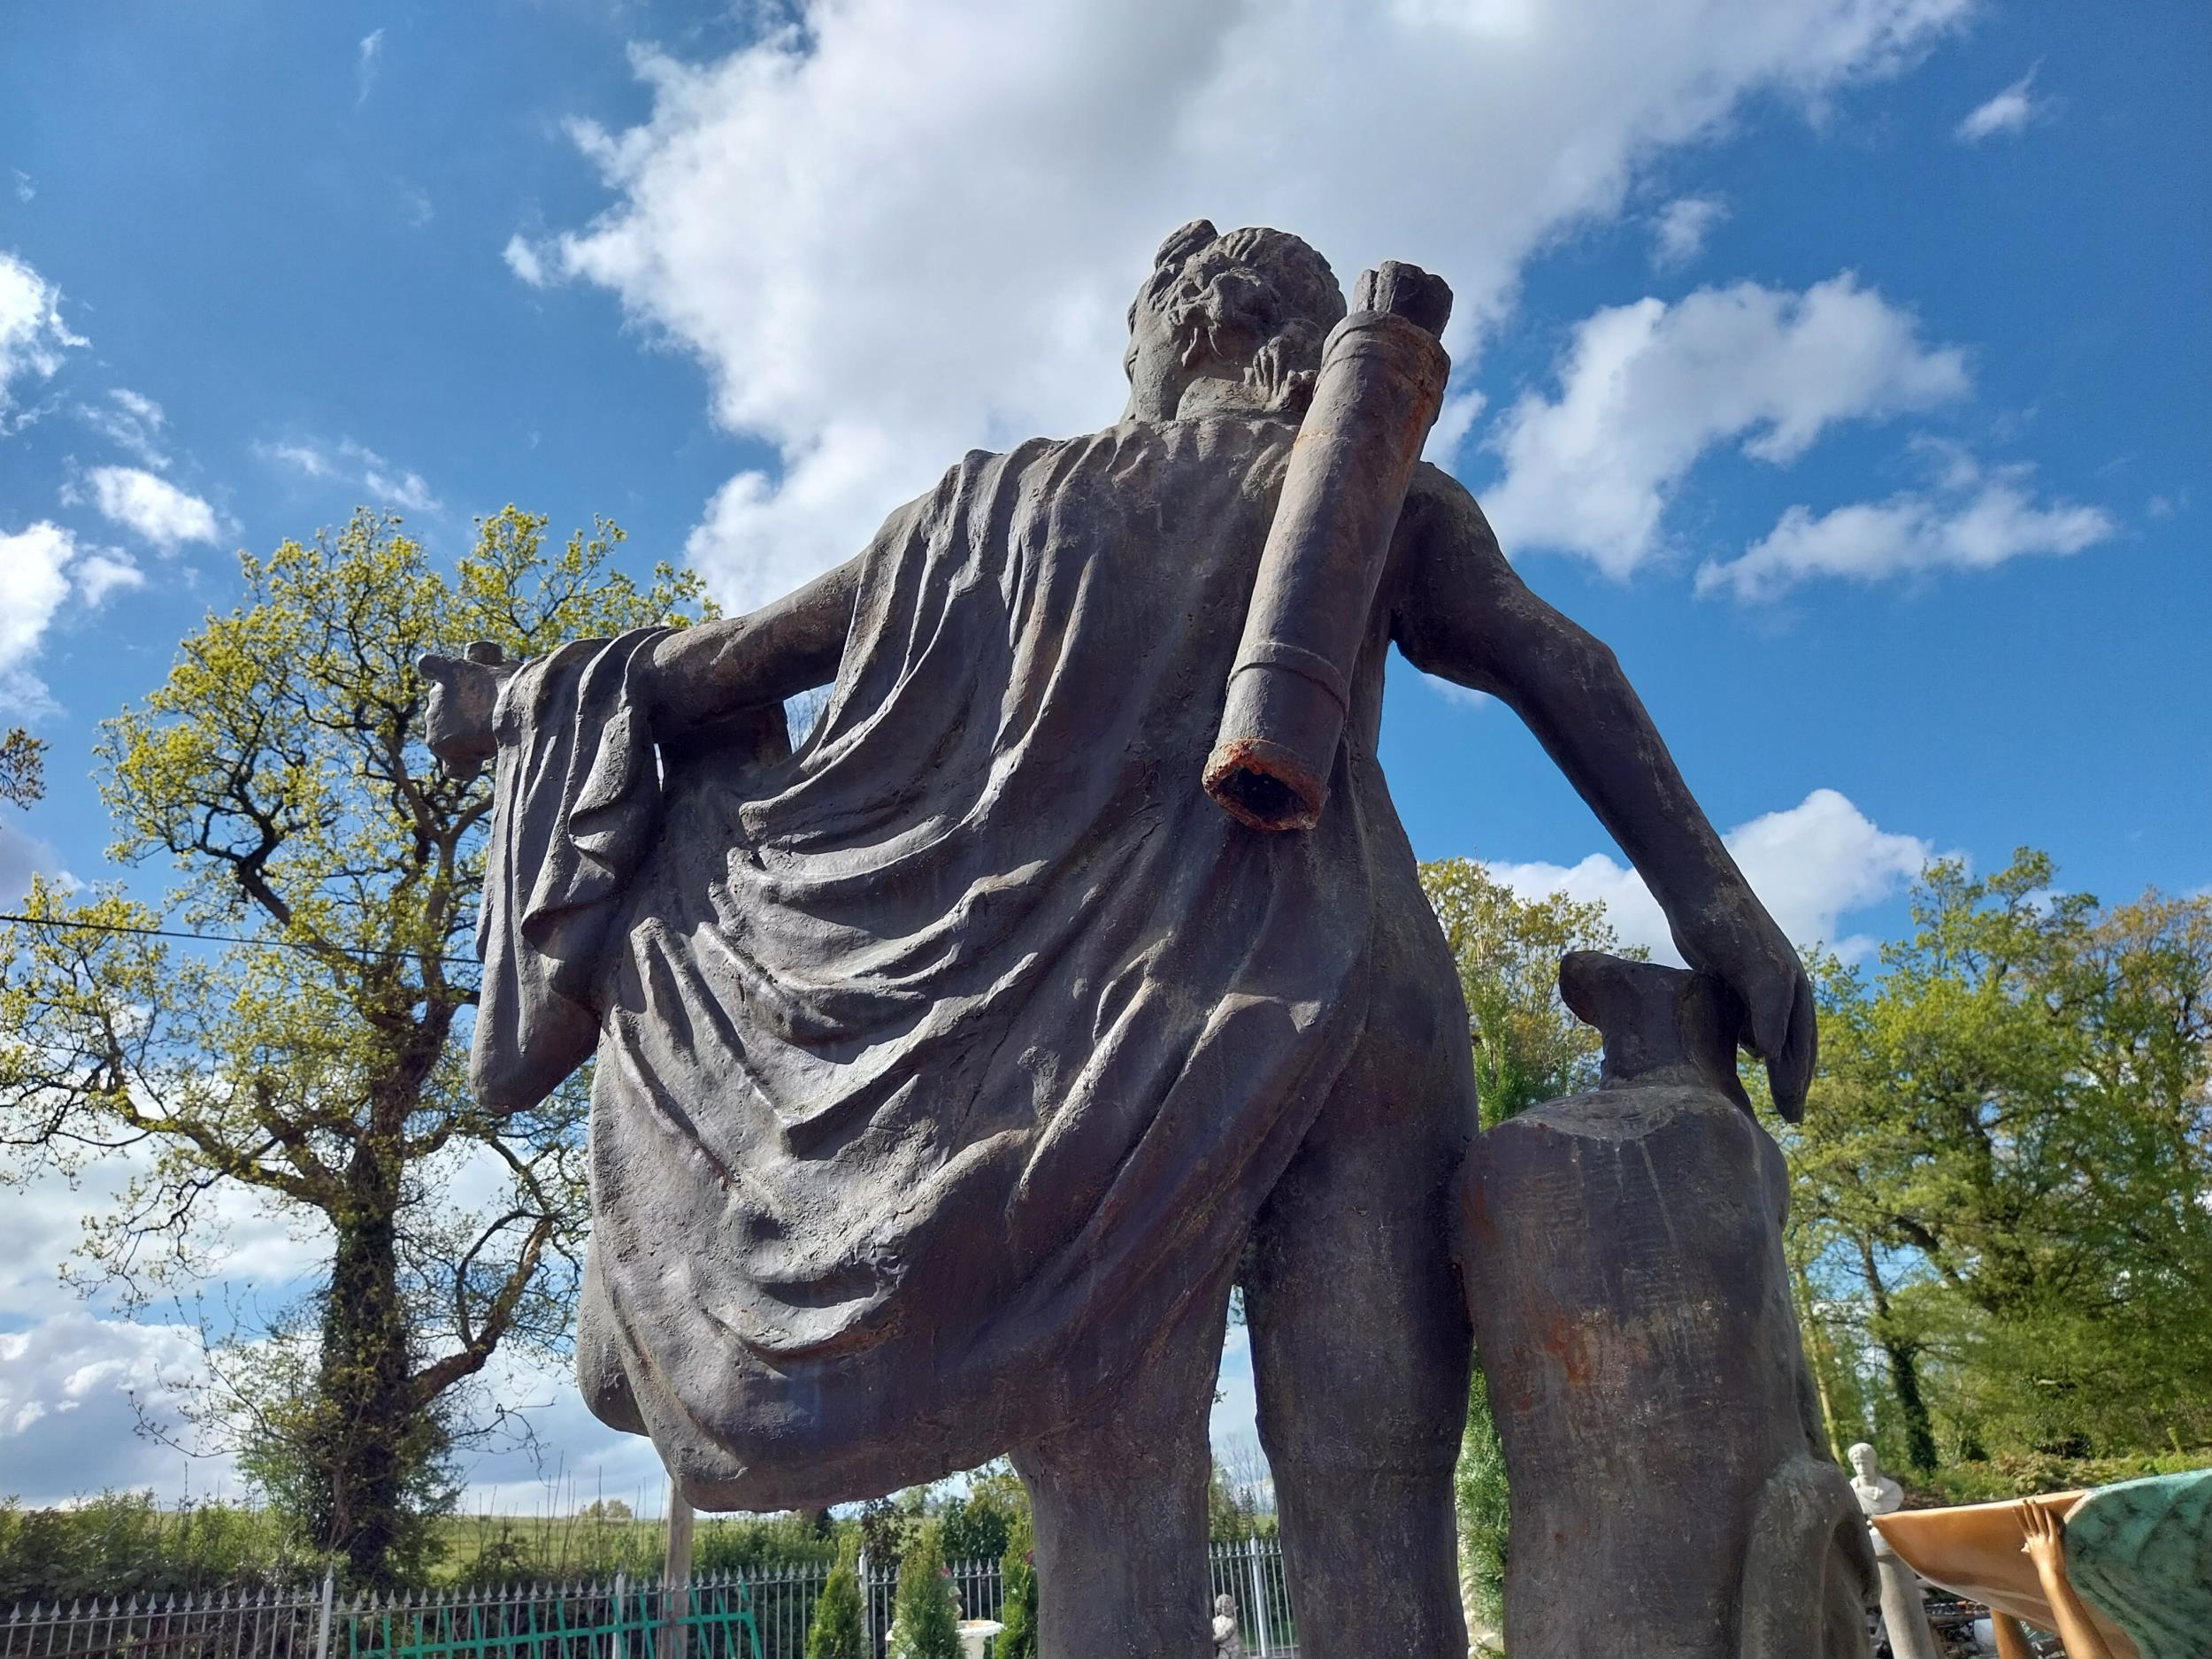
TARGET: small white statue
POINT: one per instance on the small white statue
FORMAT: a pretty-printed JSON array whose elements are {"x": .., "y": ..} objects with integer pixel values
[
  {"x": 1226, "y": 1643},
  {"x": 1904, "y": 1606},
  {"x": 1877, "y": 1493}
]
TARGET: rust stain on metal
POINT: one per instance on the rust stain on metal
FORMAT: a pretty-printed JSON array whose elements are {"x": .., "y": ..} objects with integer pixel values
[
  {"x": 1569, "y": 1344},
  {"x": 1378, "y": 389},
  {"x": 1247, "y": 778}
]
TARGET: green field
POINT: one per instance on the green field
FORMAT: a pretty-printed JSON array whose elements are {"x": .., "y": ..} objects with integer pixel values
[{"x": 122, "y": 1544}]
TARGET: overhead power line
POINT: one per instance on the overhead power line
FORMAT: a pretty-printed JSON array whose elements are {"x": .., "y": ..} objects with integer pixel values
[{"x": 227, "y": 939}]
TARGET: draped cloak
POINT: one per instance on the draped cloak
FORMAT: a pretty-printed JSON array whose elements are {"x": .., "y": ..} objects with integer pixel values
[{"x": 942, "y": 1063}]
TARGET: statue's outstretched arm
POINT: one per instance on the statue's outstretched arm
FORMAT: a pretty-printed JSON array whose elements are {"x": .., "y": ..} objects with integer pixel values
[
  {"x": 2045, "y": 1536},
  {"x": 699, "y": 674},
  {"x": 1463, "y": 614},
  {"x": 691, "y": 679},
  {"x": 693, "y": 676}
]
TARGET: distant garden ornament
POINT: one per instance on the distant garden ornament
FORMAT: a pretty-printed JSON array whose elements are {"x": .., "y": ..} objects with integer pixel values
[
  {"x": 1228, "y": 1643},
  {"x": 951, "y": 1067},
  {"x": 1877, "y": 1493},
  {"x": 1904, "y": 1605}
]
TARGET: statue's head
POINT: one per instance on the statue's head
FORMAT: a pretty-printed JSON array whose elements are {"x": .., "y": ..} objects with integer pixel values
[
  {"x": 1225, "y": 1605},
  {"x": 1862, "y": 1460},
  {"x": 1245, "y": 314}
]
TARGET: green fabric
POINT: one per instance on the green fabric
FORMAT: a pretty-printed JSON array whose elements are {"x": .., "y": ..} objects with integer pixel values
[{"x": 2141, "y": 1553}]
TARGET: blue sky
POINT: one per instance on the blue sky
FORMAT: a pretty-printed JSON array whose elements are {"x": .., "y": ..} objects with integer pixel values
[{"x": 1841, "y": 365}]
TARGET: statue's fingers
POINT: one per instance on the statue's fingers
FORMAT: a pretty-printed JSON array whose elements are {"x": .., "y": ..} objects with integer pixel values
[{"x": 1791, "y": 1060}]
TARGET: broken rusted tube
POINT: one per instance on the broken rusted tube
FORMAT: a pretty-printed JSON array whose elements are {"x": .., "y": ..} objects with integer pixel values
[{"x": 1380, "y": 385}]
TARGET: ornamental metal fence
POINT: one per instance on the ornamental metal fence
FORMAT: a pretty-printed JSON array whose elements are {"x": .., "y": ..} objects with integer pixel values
[
  {"x": 746, "y": 1613},
  {"x": 1251, "y": 1573}
]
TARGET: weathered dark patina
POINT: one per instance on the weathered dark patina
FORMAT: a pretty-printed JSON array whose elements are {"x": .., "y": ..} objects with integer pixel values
[
  {"x": 1671, "y": 1496},
  {"x": 1381, "y": 383}
]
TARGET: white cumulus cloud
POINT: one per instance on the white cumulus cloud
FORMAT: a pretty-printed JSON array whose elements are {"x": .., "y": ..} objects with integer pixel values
[
  {"x": 74, "y": 1389},
  {"x": 42, "y": 567},
  {"x": 891, "y": 232},
  {"x": 1812, "y": 865},
  {"x": 1972, "y": 519},
  {"x": 131, "y": 421},
  {"x": 151, "y": 507},
  {"x": 381, "y": 482},
  {"x": 526, "y": 262},
  {"x": 393, "y": 485},
  {"x": 105, "y": 571},
  {"x": 2010, "y": 112},
  {"x": 1678, "y": 230},
  {"x": 367, "y": 60},
  {"x": 34, "y": 581},
  {"x": 303, "y": 457},
  {"x": 1646, "y": 390},
  {"x": 32, "y": 336},
  {"x": 75, "y": 1378}
]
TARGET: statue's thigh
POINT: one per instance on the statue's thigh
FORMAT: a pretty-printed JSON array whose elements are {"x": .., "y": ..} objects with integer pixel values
[
  {"x": 1360, "y": 1341},
  {"x": 1360, "y": 1356}
]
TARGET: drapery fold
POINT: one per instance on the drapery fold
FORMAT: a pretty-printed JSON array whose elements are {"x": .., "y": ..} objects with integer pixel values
[
  {"x": 575, "y": 800},
  {"x": 941, "y": 1063}
]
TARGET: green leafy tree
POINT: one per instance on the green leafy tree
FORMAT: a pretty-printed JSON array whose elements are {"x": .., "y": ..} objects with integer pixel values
[
  {"x": 976, "y": 1525},
  {"x": 925, "y": 1623},
  {"x": 22, "y": 767},
  {"x": 316, "y": 1064},
  {"x": 2002, "y": 1168},
  {"x": 746, "y": 1543},
  {"x": 1229, "y": 1514},
  {"x": 888, "y": 1525},
  {"x": 834, "y": 1631},
  {"x": 1528, "y": 1048},
  {"x": 1017, "y": 1572}
]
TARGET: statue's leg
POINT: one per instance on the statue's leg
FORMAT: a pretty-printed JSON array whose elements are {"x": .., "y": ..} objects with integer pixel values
[
  {"x": 1120, "y": 1506},
  {"x": 1360, "y": 1351}
]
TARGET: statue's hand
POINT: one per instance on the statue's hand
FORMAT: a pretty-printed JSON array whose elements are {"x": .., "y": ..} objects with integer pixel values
[
  {"x": 463, "y": 693},
  {"x": 1740, "y": 944}
]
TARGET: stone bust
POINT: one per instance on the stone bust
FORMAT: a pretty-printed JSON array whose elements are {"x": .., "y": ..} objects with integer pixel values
[{"x": 1877, "y": 1493}]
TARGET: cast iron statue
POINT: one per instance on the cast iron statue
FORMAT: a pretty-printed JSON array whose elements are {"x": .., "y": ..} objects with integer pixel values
[{"x": 952, "y": 1067}]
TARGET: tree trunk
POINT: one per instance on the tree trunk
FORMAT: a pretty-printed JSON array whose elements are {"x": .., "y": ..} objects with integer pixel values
[
  {"x": 365, "y": 1432},
  {"x": 1820, "y": 1362},
  {"x": 1904, "y": 1368}
]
